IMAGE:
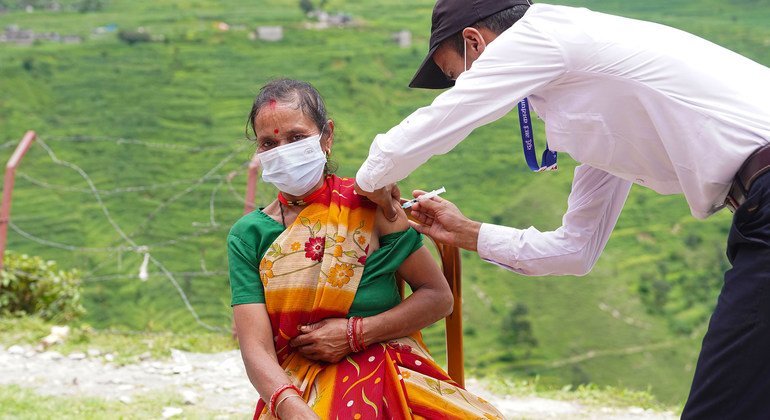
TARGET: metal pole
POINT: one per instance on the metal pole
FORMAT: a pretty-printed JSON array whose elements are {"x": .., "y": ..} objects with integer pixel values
[
  {"x": 251, "y": 186},
  {"x": 10, "y": 173}
]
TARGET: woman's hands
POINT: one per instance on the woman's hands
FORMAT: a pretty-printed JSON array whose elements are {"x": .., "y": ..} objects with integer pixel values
[{"x": 325, "y": 341}]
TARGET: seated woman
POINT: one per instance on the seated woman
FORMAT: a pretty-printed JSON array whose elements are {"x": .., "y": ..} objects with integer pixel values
[{"x": 322, "y": 328}]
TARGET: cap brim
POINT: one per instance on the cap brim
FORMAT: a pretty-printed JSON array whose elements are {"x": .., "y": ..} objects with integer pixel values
[{"x": 430, "y": 76}]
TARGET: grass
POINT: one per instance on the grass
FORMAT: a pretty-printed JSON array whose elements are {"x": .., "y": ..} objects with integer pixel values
[
  {"x": 189, "y": 97},
  {"x": 589, "y": 395},
  {"x": 22, "y": 403},
  {"x": 126, "y": 347}
]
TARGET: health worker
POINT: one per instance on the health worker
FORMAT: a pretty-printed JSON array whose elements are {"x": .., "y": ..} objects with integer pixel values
[{"x": 635, "y": 103}]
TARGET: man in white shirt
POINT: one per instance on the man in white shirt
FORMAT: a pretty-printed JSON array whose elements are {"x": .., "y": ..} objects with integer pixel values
[{"x": 633, "y": 102}]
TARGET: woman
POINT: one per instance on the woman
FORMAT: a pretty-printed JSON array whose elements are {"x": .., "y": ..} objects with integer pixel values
[{"x": 322, "y": 328}]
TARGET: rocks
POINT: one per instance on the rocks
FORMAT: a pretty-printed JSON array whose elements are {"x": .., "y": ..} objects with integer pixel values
[
  {"x": 77, "y": 356},
  {"x": 171, "y": 412},
  {"x": 94, "y": 352},
  {"x": 189, "y": 397},
  {"x": 109, "y": 357},
  {"x": 16, "y": 350},
  {"x": 58, "y": 335},
  {"x": 51, "y": 355},
  {"x": 125, "y": 399}
]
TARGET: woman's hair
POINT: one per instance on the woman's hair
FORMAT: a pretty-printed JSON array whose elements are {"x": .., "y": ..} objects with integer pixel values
[{"x": 301, "y": 94}]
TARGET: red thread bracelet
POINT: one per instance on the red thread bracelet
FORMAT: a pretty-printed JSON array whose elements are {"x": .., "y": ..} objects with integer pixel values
[
  {"x": 277, "y": 393},
  {"x": 355, "y": 335},
  {"x": 361, "y": 344}
]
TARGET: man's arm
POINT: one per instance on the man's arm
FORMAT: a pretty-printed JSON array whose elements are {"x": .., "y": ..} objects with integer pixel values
[
  {"x": 518, "y": 62},
  {"x": 594, "y": 206}
]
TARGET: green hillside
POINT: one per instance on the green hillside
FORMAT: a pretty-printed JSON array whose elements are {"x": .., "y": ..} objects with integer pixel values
[{"x": 158, "y": 128}]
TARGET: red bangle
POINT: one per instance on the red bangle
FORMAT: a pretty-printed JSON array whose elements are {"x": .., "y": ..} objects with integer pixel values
[
  {"x": 277, "y": 393},
  {"x": 353, "y": 333},
  {"x": 361, "y": 344}
]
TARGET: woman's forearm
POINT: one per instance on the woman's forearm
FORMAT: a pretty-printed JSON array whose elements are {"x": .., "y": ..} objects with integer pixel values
[
  {"x": 264, "y": 372},
  {"x": 259, "y": 358},
  {"x": 424, "y": 307}
]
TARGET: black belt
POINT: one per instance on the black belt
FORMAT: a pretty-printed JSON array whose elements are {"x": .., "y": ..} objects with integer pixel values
[{"x": 757, "y": 164}]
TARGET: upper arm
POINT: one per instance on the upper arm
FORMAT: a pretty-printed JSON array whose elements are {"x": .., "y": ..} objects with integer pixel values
[
  {"x": 243, "y": 268},
  {"x": 384, "y": 226},
  {"x": 254, "y": 329},
  {"x": 517, "y": 63},
  {"x": 421, "y": 270}
]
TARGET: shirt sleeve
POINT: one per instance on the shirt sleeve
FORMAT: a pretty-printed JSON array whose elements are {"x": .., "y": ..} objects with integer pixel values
[
  {"x": 594, "y": 206},
  {"x": 245, "y": 284},
  {"x": 519, "y": 61}
]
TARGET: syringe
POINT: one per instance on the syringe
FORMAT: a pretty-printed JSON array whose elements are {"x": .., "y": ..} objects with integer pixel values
[{"x": 426, "y": 196}]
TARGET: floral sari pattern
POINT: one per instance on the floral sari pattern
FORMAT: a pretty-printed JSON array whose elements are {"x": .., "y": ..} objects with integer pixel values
[{"x": 311, "y": 272}]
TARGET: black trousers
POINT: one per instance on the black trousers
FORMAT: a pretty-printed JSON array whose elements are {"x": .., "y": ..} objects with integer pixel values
[{"x": 732, "y": 378}]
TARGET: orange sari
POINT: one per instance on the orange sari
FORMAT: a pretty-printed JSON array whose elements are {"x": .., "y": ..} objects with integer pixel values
[{"x": 311, "y": 272}]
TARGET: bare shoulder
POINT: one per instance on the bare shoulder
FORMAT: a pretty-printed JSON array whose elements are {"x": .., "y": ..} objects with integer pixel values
[
  {"x": 273, "y": 210},
  {"x": 384, "y": 226}
]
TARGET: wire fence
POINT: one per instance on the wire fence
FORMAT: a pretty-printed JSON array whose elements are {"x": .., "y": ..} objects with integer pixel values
[{"x": 129, "y": 240}]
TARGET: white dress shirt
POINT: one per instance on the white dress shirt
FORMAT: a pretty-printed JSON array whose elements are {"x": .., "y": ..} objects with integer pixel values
[{"x": 633, "y": 101}]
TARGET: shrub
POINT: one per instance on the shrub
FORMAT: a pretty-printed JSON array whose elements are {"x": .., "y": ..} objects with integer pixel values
[
  {"x": 134, "y": 37},
  {"x": 32, "y": 286}
]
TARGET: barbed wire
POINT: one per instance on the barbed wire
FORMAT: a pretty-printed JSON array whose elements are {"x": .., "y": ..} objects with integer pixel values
[
  {"x": 119, "y": 190},
  {"x": 130, "y": 244},
  {"x": 68, "y": 247},
  {"x": 122, "y": 141},
  {"x": 191, "y": 274},
  {"x": 143, "y": 226}
]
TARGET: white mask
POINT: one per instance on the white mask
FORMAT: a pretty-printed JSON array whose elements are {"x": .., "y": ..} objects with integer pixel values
[{"x": 294, "y": 168}]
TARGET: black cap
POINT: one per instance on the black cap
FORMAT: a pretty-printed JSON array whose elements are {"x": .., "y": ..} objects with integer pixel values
[{"x": 449, "y": 18}]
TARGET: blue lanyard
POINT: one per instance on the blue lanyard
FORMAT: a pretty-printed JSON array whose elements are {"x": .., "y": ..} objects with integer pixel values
[{"x": 528, "y": 139}]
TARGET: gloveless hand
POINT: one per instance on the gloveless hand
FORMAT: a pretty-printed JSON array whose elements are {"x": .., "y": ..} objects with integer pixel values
[
  {"x": 325, "y": 341},
  {"x": 442, "y": 220},
  {"x": 386, "y": 198}
]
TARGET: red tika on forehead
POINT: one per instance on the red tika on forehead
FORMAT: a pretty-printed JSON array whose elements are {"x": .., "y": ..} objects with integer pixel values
[
  {"x": 273, "y": 103},
  {"x": 276, "y": 131}
]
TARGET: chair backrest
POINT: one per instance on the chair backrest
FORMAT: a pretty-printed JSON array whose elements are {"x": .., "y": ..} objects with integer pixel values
[{"x": 450, "y": 265}]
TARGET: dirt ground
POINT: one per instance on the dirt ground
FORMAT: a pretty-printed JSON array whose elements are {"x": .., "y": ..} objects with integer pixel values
[{"x": 218, "y": 382}]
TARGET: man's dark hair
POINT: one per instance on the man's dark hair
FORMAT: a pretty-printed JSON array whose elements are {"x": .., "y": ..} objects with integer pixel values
[{"x": 497, "y": 23}]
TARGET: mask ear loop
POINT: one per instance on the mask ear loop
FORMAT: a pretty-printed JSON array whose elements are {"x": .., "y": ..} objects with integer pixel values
[
  {"x": 322, "y": 137},
  {"x": 465, "y": 55}
]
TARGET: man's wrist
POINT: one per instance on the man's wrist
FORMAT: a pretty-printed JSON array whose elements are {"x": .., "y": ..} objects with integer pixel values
[{"x": 469, "y": 236}]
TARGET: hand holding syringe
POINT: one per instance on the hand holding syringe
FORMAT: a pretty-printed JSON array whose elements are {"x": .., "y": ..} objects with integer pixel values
[{"x": 426, "y": 196}]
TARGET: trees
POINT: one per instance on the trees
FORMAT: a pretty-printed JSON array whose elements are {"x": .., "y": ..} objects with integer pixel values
[{"x": 516, "y": 331}]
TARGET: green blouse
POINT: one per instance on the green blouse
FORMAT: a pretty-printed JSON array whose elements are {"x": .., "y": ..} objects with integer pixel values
[{"x": 252, "y": 235}]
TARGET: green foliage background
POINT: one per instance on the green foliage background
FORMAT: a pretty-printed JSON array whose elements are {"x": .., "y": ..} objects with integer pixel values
[{"x": 636, "y": 321}]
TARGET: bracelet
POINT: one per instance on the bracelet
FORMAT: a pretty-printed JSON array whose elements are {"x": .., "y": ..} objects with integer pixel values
[
  {"x": 277, "y": 393},
  {"x": 355, "y": 334},
  {"x": 286, "y": 397},
  {"x": 360, "y": 335},
  {"x": 350, "y": 334}
]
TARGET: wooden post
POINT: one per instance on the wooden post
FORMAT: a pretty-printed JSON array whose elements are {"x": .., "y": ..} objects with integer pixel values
[
  {"x": 455, "y": 355},
  {"x": 251, "y": 185},
  {"x": 8, "y": 180}
]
